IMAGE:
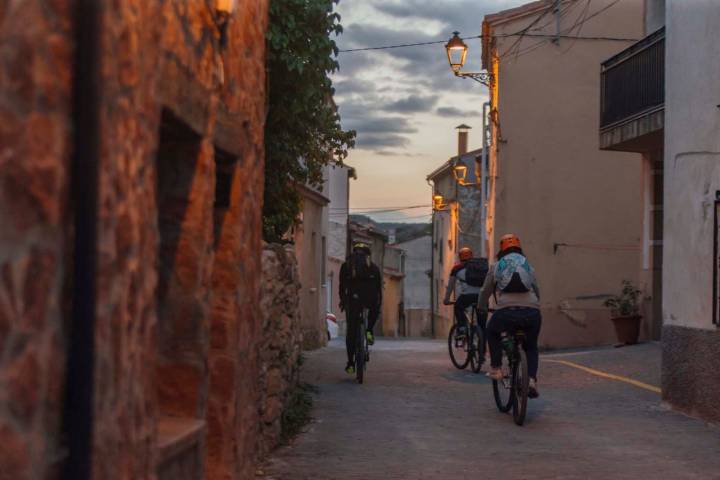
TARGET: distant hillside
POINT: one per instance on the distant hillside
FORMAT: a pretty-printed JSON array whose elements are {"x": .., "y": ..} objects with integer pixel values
[{"x": 403, "y": 231}]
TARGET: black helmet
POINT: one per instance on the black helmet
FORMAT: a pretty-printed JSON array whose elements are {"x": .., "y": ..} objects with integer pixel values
[{"x": 361, "y": 247}]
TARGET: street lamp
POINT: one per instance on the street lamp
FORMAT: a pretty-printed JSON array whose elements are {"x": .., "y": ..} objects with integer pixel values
[
  {"x": 438, "y": 203},
  {"x": 456, "y": 53}
]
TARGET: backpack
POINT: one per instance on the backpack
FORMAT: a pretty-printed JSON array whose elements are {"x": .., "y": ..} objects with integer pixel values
[
  {"x": 514, "y": 274},
  {"x": 476, "y": 269},
  {"x": 360, "y": 266}
]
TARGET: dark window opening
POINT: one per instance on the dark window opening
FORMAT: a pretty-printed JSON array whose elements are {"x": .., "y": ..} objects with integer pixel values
[{"x": 225, "y": 166}]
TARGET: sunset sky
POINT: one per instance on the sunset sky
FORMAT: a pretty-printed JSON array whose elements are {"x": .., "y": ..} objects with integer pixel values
[{"x": 405, "y": 103}]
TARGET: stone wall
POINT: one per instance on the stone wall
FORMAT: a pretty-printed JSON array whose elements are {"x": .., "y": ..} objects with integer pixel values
[
  {"x": 35, "y": 147},
  {"x": 180, "y": 191},
  {"x": 282, "y": 339}
]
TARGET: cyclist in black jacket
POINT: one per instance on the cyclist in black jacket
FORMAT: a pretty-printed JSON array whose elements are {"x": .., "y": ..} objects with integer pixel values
[{"x": 360, "y": 288}]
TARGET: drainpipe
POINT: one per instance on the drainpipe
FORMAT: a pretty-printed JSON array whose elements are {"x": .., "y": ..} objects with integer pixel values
[
  {"x": 78, "y": 410},
  {"x": 484, "y": 186}
]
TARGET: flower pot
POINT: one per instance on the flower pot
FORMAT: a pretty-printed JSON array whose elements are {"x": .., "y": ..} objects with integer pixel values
[{"x": 627, "y": 328}]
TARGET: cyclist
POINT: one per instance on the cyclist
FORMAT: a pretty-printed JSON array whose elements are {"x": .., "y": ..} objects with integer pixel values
[
  {"x": 360, "y": 288},
  {"x": 517, "y": 296},
  {"x": 467, "y": 277}
]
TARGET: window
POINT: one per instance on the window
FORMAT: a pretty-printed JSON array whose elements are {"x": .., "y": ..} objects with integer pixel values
[{"x": 225, "y": 165}]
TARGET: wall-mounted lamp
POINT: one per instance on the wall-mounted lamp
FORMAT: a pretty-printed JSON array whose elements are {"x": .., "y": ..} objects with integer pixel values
[
  {"x": 223, "y": 11},
  {"x": 456, "y": 53},
  {"x": 460, "y": 174},
  {"x": 438, "y": 202}
]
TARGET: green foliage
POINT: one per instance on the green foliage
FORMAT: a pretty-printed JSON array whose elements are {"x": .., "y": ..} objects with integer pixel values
[
  {"x": 303, "y": 131},
  {"x": 626, "y": 303},
  {"x": 297, "y": 412}
]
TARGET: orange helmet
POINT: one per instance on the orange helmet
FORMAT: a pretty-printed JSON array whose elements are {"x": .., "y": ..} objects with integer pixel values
[
  {"x": 465, "y": 253},
  {"x": 508, "y": 241}
]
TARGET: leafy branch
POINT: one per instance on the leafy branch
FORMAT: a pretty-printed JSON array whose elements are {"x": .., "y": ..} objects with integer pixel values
[{"x": 303, "y": 131}]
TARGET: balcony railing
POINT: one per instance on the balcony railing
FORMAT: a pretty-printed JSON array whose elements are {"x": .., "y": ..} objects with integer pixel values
[{"x": 633, "y": 81}]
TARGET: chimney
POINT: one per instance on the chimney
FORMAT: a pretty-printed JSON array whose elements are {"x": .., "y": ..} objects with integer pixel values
[{"x": 462, "y": 138}]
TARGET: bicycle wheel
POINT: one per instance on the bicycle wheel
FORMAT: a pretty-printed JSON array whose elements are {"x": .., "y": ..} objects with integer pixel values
[
  {"x": 521, "y": 382},
  {"x": 459, "y": 351},
  {"x": 502, "y": 389},
  {"x": 360, "y": 355},
  {"x": 477, "y": 352}
]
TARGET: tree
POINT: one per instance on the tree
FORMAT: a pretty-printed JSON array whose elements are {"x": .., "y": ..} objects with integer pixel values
[{"x": 302, "y": 132}]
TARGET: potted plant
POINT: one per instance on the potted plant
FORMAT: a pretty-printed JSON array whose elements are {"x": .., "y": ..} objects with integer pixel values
[{"x": 625, "y": 310}]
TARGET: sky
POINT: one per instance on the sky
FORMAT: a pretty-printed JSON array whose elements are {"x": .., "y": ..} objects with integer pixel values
[{"x": 405, "y": 103}]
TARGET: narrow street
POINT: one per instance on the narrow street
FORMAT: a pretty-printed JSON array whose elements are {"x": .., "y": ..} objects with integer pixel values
[{"x": 417, "y": 417}]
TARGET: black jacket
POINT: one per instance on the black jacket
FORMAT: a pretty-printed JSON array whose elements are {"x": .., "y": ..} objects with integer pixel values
[{"x": 368, "y": 292}]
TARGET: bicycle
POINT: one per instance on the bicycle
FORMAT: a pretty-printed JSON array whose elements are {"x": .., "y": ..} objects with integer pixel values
[
  {"x": 472, "y": 350},
  {"x": 515, "y": 383},
  {"x": 362, "y": 350}
]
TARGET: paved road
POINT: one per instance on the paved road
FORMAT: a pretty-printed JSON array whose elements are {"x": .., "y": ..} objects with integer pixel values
[{"x": 417, "y": 417}]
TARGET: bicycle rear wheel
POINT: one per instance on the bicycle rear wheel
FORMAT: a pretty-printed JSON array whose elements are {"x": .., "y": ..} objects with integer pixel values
[
  {"x": 477, "y": 350},
  {"x": 459, "y": 351},
  {"x": 502, "y": 389},
  {"x": 360, "y": 355},
  {"x": 521, "y": 382}
]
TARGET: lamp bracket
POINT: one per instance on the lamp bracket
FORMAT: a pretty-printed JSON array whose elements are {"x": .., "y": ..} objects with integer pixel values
[{"x": 480, "y": 77}]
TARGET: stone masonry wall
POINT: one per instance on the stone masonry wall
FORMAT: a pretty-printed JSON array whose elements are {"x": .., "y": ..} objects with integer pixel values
[
  {"x": 282, "y": 339},
  {"x": 35, "y": 148},
  {"x": 160, "y": 60}
]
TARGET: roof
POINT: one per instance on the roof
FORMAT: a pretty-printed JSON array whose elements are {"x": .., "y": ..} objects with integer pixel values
[
  {"x": 506, "y": 16},
  {"x": 450, "y": 163},
  {"x": 517, "y": 12},
  {"x": 312, "y": 194}
]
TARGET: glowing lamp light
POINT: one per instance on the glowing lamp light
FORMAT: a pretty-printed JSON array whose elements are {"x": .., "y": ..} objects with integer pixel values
[
  {"x": 456, "y": 52},
  {"x": 226, "y": 7},
  {"x": 438, "y": 202},
  {"x": 460, "y": 173}
]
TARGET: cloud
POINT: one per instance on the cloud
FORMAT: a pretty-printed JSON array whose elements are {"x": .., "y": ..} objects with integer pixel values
[
  {"x": 412, "y": 104},
  {"x": 379, "y": 141},
  {"x": 456, "y": 112}
]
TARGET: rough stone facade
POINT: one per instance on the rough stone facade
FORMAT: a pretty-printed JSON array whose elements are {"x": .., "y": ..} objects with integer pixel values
[
  {"x": 177, "y": 317},
  {"x": 690, "y": 378},
  {"x": 282, "y": 339}
]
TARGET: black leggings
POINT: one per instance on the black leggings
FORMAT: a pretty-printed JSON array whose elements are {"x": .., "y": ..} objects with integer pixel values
[
  {"x": 508, "y": 320},
  {"x": 354, "y": 316}
]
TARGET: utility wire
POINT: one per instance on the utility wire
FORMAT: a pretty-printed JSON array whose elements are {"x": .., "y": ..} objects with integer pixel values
[
  {"x": 538, "y": 35},
  {"x": 522, "y": 33}
]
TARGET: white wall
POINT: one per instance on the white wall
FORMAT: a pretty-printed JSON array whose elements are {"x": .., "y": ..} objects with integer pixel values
[
  {"x": 692, "y": 159},
  {"x": 417, "y": 264},
  {"x": 654, "y": 15}
]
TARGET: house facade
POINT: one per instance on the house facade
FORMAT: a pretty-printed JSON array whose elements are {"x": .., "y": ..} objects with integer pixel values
[
  {"x": 416, "y": 292},
  {"x": 130, "y": 238},
  {"x": 576, "y": 209},
  {"x": 657, "y": 99},
  {"x": 310, "y": 237},
  {"x": 338, "y": 191},
  {"x": 456, "y": 223}
]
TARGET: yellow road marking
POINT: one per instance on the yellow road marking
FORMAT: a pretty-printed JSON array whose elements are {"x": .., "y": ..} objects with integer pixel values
[{"x": 610, "y": 376}]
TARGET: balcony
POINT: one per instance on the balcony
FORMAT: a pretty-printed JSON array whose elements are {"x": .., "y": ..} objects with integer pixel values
[{"x": 633, "y": 96}]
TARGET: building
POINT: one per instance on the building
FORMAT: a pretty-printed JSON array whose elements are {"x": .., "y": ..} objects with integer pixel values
[
  {"x": 310, "y": 237},
  {"x": 390, "y": 261},
  {"x": 416, "y": 289},
  {"x": 669, "y": 114},
  {"x": 575, "y": 208},
  {"x": 338, "y": 191},
  {"x": 456, "y": 223},
  {"x": 393, "y": 310},
  {"x": 632, "y": 119},
  {"x": 131, "y": 180}
]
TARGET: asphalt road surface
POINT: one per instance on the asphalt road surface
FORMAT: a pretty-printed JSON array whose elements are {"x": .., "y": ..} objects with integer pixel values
[{"x": 417, "y": 417}]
